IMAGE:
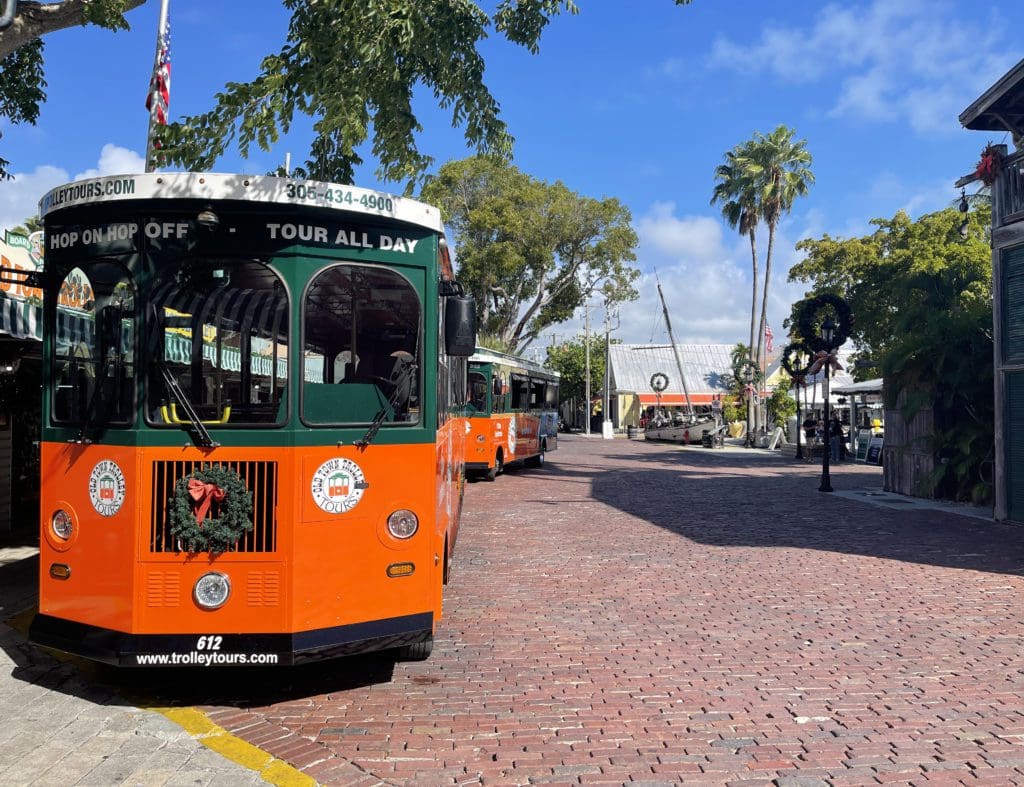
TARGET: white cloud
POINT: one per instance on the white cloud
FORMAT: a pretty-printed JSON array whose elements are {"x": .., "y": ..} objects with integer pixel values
[
  {"x": 690, "y": 236},
  {"x": 115, "y": 160},
  {"x": 19, "y": 197},
  {"x": 915, "y": 59},
  {"x": 705, "y": 274}
]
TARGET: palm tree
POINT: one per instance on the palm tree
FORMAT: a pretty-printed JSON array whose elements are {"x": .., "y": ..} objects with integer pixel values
[
  {"x": 737, "y": 192},
  {"x": 780, "y": 168}
]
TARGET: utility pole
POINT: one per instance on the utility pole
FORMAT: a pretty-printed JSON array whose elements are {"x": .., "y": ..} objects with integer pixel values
[
  {"x": 586, "y": 344},
  {"x": 607, "y": 430}
]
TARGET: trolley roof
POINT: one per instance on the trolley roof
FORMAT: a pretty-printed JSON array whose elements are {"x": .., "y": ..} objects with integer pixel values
[
  {"x": 258, "y": 190},
  {"x": 483, "y": 355}
]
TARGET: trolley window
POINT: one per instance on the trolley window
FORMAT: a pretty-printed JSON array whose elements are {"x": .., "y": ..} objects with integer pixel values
[
  {"x": 219, "y": 344},
  {"x": 520, "y": 392},
  {"x": 551, "y": 395},
  {"x": 478, "y": 391},
  {"x": 361, "y": 350},
  {"x": 94, "y": 366},
  {"x": 536, "y": 394}
]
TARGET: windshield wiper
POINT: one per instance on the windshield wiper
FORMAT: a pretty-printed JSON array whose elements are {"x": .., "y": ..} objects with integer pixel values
[
  {"x": 199, "y": 433},
  {"x": 404, "y": 376},
  {"x": 93, "y": 406}
]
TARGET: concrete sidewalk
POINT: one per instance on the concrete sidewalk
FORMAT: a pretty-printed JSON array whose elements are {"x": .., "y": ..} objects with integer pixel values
[{"x": 59, "y": 726}]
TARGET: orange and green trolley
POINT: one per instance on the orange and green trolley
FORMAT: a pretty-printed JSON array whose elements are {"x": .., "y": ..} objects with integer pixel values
[
  {"x": 513, "y": 412},
  {"x": 253, "y": 420}
]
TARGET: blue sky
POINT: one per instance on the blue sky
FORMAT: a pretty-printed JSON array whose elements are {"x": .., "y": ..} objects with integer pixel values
[{"x": 635, "y": 100}]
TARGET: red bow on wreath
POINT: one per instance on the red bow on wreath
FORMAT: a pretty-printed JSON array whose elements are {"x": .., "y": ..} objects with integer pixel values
[
  {"x": 204, "y": 494},
  {"x": 822, "y": 359},
  {"x": 989, "y": 165}
]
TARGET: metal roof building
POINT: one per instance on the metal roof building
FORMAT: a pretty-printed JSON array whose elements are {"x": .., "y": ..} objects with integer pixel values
[{"x": 708, "y": 370}]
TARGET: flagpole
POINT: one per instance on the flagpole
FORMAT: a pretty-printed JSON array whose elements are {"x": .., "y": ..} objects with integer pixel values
[{"x": 153, "y": 87}]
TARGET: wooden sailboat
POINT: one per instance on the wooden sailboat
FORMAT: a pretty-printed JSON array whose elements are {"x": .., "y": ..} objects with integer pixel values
[{"x": 685, "y": 427}]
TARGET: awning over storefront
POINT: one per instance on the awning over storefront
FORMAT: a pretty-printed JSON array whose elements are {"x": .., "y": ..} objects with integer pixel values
[
  {"x": 675, "y": 400},
  {"x": 178, "y": 349},
  {"x": 20, "y": 319}
]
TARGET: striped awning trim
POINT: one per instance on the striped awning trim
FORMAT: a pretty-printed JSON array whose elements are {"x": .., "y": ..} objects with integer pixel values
[{"x": 20, "y": 319}]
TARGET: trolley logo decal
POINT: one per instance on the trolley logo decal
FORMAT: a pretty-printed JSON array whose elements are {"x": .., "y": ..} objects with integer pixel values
[
  {"x": 338, "y": 485},
  {"x": 512, "y": 435},
  {"x": 106, "y": 488}
]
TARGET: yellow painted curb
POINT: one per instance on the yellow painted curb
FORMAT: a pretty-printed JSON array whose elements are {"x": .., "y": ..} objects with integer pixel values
[
  {"x": 214, "y": 737},
  {"x": 196, "y": 724}
]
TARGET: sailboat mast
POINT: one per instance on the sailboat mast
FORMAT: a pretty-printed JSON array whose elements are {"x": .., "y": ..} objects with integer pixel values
[{"x": 675, "y": 351}]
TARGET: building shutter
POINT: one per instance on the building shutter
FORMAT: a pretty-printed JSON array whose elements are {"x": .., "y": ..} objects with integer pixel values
[
  {"x": 1014, "y": 432},
  {"x": 1013, "y": 305}
]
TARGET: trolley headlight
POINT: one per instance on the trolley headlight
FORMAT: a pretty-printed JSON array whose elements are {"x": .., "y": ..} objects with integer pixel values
[
  {"x": 403, "y": 523},
  {"x": 212, "y": 590},
  {"x": 62, "y": 524}
]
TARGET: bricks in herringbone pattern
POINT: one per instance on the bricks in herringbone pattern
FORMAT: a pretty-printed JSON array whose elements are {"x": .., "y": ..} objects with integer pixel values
[{"x": 643, "y": 614}]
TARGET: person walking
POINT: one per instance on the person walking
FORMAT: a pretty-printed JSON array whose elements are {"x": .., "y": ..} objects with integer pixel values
[{"x": 835, "y": 438}]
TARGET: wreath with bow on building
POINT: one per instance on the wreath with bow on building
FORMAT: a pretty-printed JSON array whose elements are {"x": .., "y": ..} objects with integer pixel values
[
  {"x": 210, "y": 510},
  {"x": 989, "y": 164}
]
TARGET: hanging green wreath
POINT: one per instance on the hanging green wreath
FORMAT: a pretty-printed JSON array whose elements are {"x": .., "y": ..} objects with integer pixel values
[
  {"x": 789, "y": 360},
  {"x": 210, "y": 510},
  {"x": 659, "y": 382},
  {"x": 739, "y": 372},
  {"x": 808, "y": 321}
]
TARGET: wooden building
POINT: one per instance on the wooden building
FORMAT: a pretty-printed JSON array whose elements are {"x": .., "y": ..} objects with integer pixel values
[{"x": 1001, "y": 109}]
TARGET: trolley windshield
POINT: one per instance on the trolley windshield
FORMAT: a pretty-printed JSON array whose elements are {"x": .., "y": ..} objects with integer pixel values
[{"x": 217, "y": 349}]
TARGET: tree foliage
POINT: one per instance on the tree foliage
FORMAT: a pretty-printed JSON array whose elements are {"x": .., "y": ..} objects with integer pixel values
[
  {"x": 921, "y": 297},
  {"x": 350, "y": 65},
  {"x": 736, "y": 194},
  {"x": 531, "y": 252},
  {"x": 569, "y": 359},
  {"x": 758, "y": 182}
]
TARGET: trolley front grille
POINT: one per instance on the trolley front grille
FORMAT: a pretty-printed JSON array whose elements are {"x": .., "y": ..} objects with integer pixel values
[{"x": 260, "y": 478}]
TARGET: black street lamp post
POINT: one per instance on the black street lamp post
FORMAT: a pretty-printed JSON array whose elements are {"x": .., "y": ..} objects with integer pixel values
[
  {"x": 799, "y": 426},
  {"x": 828, "y": 329}
]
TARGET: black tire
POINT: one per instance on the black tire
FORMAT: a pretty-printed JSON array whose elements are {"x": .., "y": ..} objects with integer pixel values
[
  {"x": 499, "y": 465},
  {"x": 538, "y": 460},
  {"x": 417, "y": 651}
]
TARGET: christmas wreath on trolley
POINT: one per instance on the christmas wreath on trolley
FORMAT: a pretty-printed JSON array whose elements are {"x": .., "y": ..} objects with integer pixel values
[{"x": 210, "y": 510}]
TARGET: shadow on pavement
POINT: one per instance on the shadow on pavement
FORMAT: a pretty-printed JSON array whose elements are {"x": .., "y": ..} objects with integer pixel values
[{"x": 723, "y": 498}]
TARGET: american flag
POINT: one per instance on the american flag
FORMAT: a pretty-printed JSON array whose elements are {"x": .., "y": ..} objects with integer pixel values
[
  {"x": 768, "y": 336},
  {"x": 158, "y": 99}
]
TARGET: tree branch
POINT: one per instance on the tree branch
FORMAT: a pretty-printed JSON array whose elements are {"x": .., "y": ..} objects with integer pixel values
[{"x": 34, "y": 20}]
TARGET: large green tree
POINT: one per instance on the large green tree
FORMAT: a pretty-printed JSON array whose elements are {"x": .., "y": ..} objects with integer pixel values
[
  {"x": 921, "y": 296},
  {"x": 569, "y": 359},
  {"x": 350, "y": 65},
  {"x": 531, "y": 252}
]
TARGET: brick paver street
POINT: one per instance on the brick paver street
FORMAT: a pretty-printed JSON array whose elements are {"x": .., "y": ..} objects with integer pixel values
[
  {"x": 645, "y": 614},
  {"x": 636, "y": 613}
]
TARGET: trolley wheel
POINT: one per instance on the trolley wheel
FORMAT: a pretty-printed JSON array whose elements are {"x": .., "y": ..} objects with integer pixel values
[
  {"x": 417, "y": 651},
  {"x": 495, "y": 471},
  {"x": 538, "y": 460}
]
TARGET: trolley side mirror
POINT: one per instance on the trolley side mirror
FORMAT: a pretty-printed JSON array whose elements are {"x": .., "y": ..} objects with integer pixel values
[{"x": 460, "y": 326}]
